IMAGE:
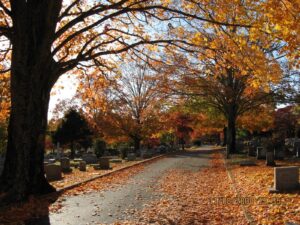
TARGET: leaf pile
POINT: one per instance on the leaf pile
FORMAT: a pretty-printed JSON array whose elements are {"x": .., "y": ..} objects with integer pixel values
[{"x": 190, "y": 198}]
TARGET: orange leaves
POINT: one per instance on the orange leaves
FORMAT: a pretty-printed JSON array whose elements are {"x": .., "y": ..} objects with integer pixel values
[
  {"x": 192, "y": 198},
  {"x": 125, "y": 103},
  {"x": 267, "y": 208},
  {"x": 260, "y": 119},
  {"x": 38, "y": 207},
  {"x": 4, "y": 97},
  {"x": 105, "y": 182}
]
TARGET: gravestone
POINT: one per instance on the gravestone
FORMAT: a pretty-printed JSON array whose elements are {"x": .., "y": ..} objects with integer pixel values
[
  {"x": 82, "y": 165},
  {"x": 65, "y": 164},
  {"x": 90, "y": 158},
  {"x": 116, "y": 160},
  {"x": 279, "y": 150},
  {"x": 90, "y": 150},
  {"x": 131, "y": 157},
  {"x": 77, "y": 160},
  {"x": 252, "y": 145},
  {"x": 52, "y": 160},
  {"x": 296, "y": 149},
  {"x": 53, "y": 172},
  {"x": 285, "y": 179},
  {"x": 104, "y": 163},
  {"x": 261, "y": 153},
  {"x": 270, "y": 159},
  {"x": 145, "y": 154}
]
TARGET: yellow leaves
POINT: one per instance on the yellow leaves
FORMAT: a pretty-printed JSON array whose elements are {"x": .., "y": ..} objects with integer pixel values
[
  {"x": 277, "y": 27},
  {"x": 180, "y": 31},
  {"x": 198, "y": 39},
  {"x": 166, "y": 2},
  {"x": 153, "y": 48}
]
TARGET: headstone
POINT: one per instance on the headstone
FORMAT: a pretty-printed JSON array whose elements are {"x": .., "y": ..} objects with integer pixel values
[
  {"x": 260, "y": 153},
  {"x": 59, "y": 151},
  {"x": 146, "y": 155},
  {"x": 297, "y": 149},
  {"x": 65, "y": 164},
  {"x": 90, "y": 150},
  {"x": 51, "y": 160},
  {"x": 116, "y": 160},
  {"x": 90, "y": 158},
  {"x": 77, "y": 160},
  {"x": 285, "y": 179},
  {"x": 131, "y": 157},
  {"x": 82, "y": 165},
  {"x": 104, "y": 163},
  {"x": 252, "y": 145},
  {"x": 270, "y": 159},
  {"x": 53, "y": 172}
]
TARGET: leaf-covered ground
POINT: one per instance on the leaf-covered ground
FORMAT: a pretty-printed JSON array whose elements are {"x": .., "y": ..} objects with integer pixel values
[
  {"x": 77, "y": 176},
  {"x": 39, "y": 207},
  {"x": 193, "y": 198},
  {"x": 205, "y": 196},
  {"x": 264, "y": 208},
  {"x": 209, "y": 196}
]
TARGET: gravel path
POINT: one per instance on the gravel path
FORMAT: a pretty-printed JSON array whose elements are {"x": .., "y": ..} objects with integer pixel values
[{"x": 122, "y": 201}]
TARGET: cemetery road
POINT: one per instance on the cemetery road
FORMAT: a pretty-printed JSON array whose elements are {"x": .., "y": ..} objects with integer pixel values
[{"x": 117, "y": 204}]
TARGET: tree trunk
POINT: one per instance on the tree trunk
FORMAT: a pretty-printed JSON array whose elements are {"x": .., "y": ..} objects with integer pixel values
[
  {"x": 33, "y": 74},
  {"x": 137, "y": 144},
  {"x": 23, "y": 172},
  {"x": 231, "y": 133},
  {"x": 225, "y": 136}
]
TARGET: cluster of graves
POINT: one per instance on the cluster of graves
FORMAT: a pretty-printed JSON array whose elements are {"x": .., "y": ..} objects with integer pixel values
[
  {"x": 285, "y": 178},
  {"x": 58, "y": 163},
  {"x": 266, "y": 148}
]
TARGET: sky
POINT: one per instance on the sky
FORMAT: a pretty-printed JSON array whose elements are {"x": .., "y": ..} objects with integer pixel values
[{"x": 65, "y": 88}]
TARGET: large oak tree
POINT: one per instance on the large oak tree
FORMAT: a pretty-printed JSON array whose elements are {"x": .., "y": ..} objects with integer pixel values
[{"x": 48, "y": 39}]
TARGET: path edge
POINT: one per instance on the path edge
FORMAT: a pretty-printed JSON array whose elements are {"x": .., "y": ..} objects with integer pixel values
[{"x": 247, "y": 215}]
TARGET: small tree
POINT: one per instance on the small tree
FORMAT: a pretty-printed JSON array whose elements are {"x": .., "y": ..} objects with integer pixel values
[{"x": 73, "y": 129}]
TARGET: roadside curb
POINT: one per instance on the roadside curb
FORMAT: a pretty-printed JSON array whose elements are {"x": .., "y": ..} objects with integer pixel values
[
  {"x": 247, "y": 215},
  {"x": 61, "y": 190}
]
